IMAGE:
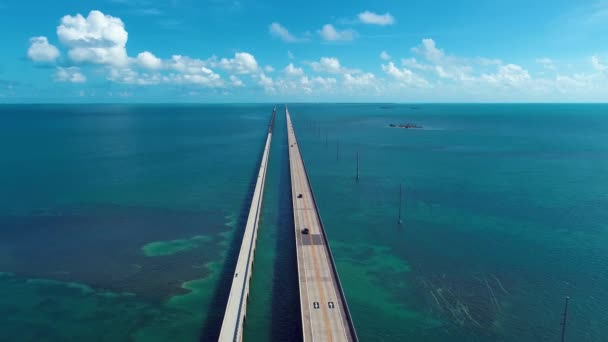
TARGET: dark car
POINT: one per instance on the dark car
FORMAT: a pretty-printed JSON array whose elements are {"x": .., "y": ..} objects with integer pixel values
[{"x": 305, "y": 231}]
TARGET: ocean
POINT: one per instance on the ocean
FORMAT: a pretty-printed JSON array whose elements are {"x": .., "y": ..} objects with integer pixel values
[{"x": 122, "y": 222}]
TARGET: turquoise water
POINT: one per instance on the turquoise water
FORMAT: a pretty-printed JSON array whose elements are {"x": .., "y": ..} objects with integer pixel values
[{"x": 121, "y": 222}]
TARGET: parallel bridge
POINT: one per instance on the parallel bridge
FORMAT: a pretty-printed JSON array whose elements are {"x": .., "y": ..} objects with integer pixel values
[
  {"x": 325, "y": 314},
  {"x": 234, "y": 317}
]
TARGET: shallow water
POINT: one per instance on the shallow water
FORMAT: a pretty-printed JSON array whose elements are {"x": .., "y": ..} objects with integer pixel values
[{"x": 122, "y": 222}]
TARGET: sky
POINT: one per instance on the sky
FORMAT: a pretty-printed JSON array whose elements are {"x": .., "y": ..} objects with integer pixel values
[{"x": 304, "y": 51}]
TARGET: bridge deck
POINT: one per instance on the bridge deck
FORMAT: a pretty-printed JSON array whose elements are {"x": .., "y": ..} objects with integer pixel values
[
  {"x": 325, "y": 315},
  {"x": 234, "y": 317}
]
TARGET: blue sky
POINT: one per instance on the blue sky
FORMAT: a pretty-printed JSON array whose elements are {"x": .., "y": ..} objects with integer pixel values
[{"x": 312, "y": 51}]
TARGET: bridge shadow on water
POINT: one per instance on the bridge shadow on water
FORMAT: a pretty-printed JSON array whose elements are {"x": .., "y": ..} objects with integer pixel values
[
  {"x": 286, "y": 319},
  {"x": 210, "y": 330}
]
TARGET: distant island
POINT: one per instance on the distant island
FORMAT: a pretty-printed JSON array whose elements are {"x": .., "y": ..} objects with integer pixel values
[{"x": 405, "y": 125}]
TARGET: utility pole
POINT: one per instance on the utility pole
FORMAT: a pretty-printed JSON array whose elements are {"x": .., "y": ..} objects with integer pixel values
[
  {"x": 400, "y": 202},
  {"x": 565, "y": 318}
]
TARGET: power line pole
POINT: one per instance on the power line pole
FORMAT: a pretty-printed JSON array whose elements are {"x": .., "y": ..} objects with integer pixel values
[
  {"x": 565, "y": 318},
  {"x": 400, "y": 202}
]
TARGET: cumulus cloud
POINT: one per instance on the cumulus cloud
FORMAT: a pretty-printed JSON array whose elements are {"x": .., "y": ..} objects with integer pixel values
[
  {"x": 203, "y": 77},
  {"x": 363, "y": 80},
  {"x": 404, "y": 76},
  {"x": 510, "y": 74},
  {"x": 41, "y": 51},
  {"x": 176, "y": 70},
  {"x": 414, "y": 64},
  {"x": 429, "y": 50},
  {"x": 206, "y": 78},
  {"x": 266, "y": 82},
  {"x": 309, "y": 85},
  {"x": 327, "y": 64},
  {"x": 71, "y": 74},
  {"x": 329, "y": 33},
  {"x": 242, "y": 63},
  {"x": 279, "y": 31},
  {"x": 235, "y": 81},
  {"x": 98, "y": 38},
  {"x": 372, "y": 18},
  {"x": 305, "y": 85},
  {"x": 148, "y": 61},
  {"x": 446, "y": 67},
  {"x": 291, "y": 70},
  {"x": 186, "y": 65},
  {"x": 101, "y": 39},
  {"x": 326, "y": 83},
  {"x": 129, "y": 76}
]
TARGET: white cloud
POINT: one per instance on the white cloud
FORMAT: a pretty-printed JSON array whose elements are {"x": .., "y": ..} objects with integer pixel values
[
  {"x": 364, "y": 80},
  {"x": 126, "y": 75},
  {"x": 404, "y": 76},
  {"x": 329, "y": 33},
  {"x": 510, "y": 75},
  {"x": 181, "y": 70},
  {"x": 298, "y": 86},
  {"x": 242, "y": 63},
  {"x": 207, "y": 78},
  {"x": 372, "y": 18},
  {"x": 414, "y": 64},
  {"x": 149, "y": 61},
  {"x": 446, "y": 67},
  {"x": 281, "y": 32},
  {"x": 41, "y": 51},
  {"x": 319, "y": 84},
  {"x": 385, "y": 56},
  {"x": 235, "y": 81},
  {"x": 597, "y": 64},
  {"x": 436, "y": 75},
  {"x": 306, "y": 84},
  {"x": 327, "y": 64},
  {"x": 71, "y": 74},
  {"x": 393, "y": 71},
  {"x": 186, "y": 65},
  {"x": 290, "y": 70},
  {"x": 442, "y": 73},
  {"x": 324, "y": 82},
  {"x": 429, "y": 50},
  {"x": 266, "y": 82},
  {"x": 98, "y": 38},
  {"x": 101, "y": 39}
]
